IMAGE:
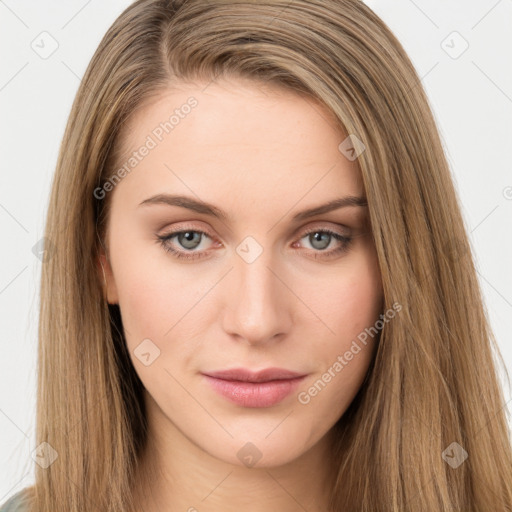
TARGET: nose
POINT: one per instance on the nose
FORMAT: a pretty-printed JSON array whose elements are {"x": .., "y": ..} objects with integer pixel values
[{"x": 257, "y": 308}]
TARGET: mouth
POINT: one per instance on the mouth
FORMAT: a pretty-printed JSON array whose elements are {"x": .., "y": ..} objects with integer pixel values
[{"x": 254, "y": 389}]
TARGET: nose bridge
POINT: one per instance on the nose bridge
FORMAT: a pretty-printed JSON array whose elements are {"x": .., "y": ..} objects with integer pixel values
[{"x": 257, "y": 303}]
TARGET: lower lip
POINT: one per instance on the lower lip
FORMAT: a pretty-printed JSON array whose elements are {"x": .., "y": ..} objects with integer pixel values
[{"x": 254, "y": 394}]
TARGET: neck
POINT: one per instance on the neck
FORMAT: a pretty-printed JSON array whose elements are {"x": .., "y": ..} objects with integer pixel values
[{"x": 174, "y": 474}]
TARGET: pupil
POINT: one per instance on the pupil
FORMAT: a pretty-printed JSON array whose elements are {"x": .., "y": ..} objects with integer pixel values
[
  {"x": 187, "y": 239},
  {"x": 318, "y": 236}
]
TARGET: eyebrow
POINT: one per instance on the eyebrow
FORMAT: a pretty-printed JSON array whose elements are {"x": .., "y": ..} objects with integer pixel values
[{"x": 209, "y": 209}]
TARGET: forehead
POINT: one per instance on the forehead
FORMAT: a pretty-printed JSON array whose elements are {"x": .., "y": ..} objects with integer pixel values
[
  {"x": 236, "y": 136},
  {"x": 232, "y": 110}
]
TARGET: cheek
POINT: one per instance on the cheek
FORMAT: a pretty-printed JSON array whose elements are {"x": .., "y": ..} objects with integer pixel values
[
  {"x": 150, "y": 297},
  {"x": 351, "y": 305},
  {"x": 359, "y": 304},
  {"x": 159, "y": 302},
  {"x": 351, "y": 300}
]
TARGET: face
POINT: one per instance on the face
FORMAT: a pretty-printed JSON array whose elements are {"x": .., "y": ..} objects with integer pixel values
[{"x": 235, "y": 274}]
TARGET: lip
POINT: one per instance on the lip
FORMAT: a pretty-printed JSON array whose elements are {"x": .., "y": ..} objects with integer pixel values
[
  {"x": 246, "y": 375},
  {"x": 254, "y": 389}
]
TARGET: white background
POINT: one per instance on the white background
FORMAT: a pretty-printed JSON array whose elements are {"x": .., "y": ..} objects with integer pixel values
[{"x": 472, "y": 101}]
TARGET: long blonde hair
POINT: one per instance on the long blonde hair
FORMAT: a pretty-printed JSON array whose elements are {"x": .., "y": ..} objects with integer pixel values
[{"x": 433, "y": 381}]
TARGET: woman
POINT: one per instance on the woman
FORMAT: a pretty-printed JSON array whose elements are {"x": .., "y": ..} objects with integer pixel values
[{"x": 261, "y": 293}]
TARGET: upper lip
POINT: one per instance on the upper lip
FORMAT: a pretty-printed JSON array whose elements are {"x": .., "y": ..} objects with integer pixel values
[{"x": 246, "y": 375}]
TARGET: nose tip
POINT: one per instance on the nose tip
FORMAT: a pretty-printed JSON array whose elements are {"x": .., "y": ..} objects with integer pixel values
[{"x": 256, "y": 304}]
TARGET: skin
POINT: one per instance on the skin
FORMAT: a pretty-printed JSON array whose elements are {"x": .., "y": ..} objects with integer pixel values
[{"x": 261, "y": 154}]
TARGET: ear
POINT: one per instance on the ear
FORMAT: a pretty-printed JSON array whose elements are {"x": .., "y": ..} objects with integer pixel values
[{"x": 107, "y": 280}]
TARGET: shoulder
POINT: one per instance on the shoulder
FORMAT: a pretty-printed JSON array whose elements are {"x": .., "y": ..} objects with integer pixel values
[{"x": 16, "y": 503}]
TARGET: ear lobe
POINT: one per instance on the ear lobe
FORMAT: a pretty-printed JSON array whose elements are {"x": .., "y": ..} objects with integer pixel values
[{"x": 107, "y": 279}]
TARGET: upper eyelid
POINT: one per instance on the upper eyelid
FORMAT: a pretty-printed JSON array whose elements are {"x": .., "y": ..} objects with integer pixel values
[
  {"x": 312, "y": 225},
  {"x": 304, "y": 231}
]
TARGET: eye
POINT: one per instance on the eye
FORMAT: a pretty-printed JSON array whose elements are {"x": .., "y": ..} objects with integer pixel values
[
  {"x": 320, "y": 240},
  {"x": 187, "y": 244},
  {"x": 189, "y": 239}
]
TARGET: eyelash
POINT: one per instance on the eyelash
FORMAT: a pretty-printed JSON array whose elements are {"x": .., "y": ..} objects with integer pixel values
[{"x": 163, "y": 240}]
